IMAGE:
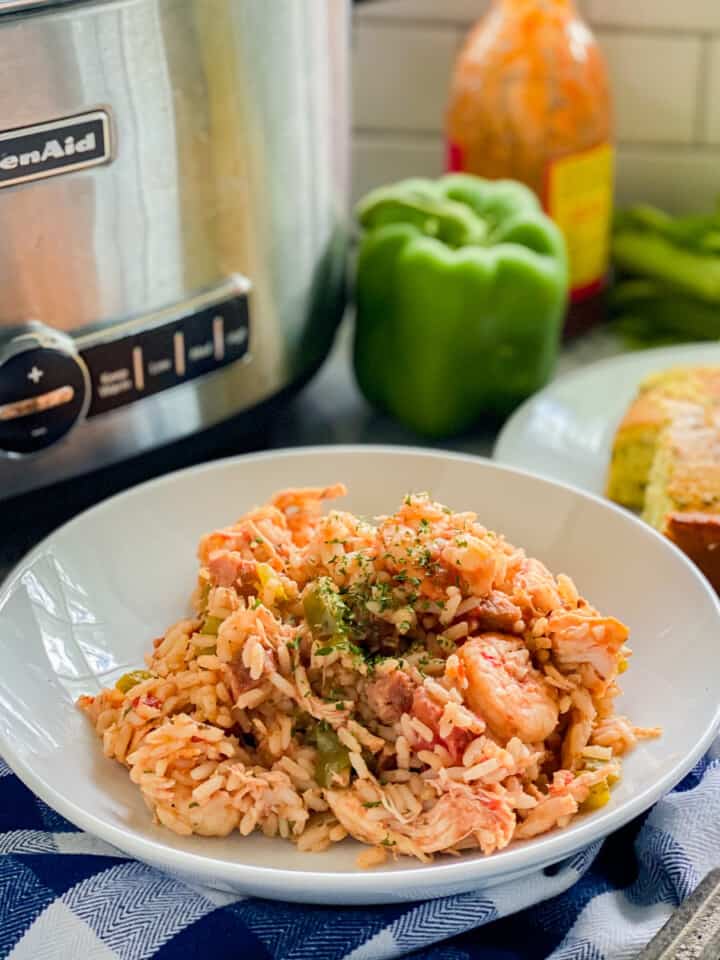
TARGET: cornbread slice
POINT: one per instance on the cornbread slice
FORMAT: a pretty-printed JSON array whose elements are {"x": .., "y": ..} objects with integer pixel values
[
  {"x": 674, "y": 394},
  {"x": 634, "y": 449},
  {"x": 682, "y": 499}
]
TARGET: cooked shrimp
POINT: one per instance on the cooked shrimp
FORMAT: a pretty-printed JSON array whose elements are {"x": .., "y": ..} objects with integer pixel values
[
  {"x": 506, "y": 690},
  {"x": 474, "y": 560},
  {"x": 534, "y": 587},
  {"x": 582, "y": 636}
]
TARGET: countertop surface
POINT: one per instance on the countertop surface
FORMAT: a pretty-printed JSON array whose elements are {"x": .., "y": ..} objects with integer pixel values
[{"x": 329, "y": 410}]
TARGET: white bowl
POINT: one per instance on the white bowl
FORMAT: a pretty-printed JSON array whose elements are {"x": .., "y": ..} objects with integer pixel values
[{"x": 83, "y": 606}]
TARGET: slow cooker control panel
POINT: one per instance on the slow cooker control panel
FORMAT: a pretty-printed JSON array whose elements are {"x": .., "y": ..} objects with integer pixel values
[
  {"x": 48, "y": 381},
  {"x": 44, "y": 390},
  {"x": 129, "y": 368}
]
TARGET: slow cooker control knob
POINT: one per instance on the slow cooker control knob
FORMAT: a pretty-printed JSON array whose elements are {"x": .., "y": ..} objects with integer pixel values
[{"x": 44, "y": 391}]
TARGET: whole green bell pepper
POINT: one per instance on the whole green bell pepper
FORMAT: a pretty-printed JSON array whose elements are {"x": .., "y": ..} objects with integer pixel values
[{"x": 461, "y": 290}]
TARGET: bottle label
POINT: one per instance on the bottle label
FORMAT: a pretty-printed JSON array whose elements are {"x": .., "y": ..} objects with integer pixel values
[
  {"x": 578, "y": 197},
  {"x": 453, "y": 157}
]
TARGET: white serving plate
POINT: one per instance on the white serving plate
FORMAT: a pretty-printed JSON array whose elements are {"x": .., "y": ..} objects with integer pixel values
[
  {"x": 83, "y": 606},
  {"x": 565, "y": 432}
]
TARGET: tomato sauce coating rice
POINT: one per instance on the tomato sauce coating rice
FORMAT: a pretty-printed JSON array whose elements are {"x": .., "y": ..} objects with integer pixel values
[{"x": 415, "y": 682}]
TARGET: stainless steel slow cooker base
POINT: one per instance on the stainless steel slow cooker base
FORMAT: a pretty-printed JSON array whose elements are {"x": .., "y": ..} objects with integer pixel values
[{"x": 173, "y": 176}]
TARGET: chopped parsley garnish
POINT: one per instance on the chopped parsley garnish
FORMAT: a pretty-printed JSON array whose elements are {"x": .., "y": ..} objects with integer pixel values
[{"x": 372, "y": 803}]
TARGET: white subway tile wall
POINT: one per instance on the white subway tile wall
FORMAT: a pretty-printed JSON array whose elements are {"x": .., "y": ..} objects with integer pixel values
[
  {"x": 674, "y": 179},
  {"x": 711, "y": 106},
  {"x": 655, "y": 79},
  {"x": 382, "y": 160},
  {"x": 659, "y": 14},
  {"x": 455, "y": 11},
  {"x": 664, "y": 59},
  {"x": 401, "y": 75}
]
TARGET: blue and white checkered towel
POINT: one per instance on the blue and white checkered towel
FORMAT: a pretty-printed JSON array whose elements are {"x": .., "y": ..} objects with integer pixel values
[{"x": 64, "y": 894}]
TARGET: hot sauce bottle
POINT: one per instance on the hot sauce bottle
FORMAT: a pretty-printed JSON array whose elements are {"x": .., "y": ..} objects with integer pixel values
[{"x": 530, "y": 101}]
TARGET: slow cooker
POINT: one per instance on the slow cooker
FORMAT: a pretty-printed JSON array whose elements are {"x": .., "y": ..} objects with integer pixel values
[{"x": 173, "y": 183}]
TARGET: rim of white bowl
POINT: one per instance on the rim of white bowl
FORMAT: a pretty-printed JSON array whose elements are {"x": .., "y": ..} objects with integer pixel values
[{"x": 518, "y": 858}]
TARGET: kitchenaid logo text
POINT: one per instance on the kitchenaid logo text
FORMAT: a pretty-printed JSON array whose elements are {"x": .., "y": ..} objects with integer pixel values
[{"x": 49, "y": 149}]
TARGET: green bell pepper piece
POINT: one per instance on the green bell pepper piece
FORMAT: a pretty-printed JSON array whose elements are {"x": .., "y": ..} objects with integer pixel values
[
  {"x": 129, "y": 680},
  {"x": 210, "y": 626},
  {"x": 324, "y": 609},
  {"x": 332, "y": 757},
  {"x": 461, "y": 291}
]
